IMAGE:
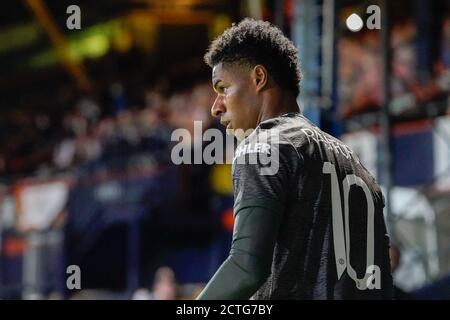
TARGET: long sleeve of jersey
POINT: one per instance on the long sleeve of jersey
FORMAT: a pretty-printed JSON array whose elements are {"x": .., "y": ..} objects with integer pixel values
[
  {"x": 260, "y": 194},
  {"x": 249, "y": 262}
]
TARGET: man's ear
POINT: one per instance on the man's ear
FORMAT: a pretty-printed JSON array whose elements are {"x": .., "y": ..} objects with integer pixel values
[{"x": 260, "y": 77}]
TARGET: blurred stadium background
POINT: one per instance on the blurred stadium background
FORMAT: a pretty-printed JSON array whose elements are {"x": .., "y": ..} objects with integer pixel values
[{"x": 86, "y": 117}]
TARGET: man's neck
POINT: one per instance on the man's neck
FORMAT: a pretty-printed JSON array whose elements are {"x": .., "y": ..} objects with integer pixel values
[{"x": 276, "y": 104}]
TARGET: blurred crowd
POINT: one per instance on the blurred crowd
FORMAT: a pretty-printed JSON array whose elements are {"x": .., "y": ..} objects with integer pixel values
[
  {"x": 85, "y": 135},
  {"x": 360, "y": 85},
  {"x": 135, "y": 131}
]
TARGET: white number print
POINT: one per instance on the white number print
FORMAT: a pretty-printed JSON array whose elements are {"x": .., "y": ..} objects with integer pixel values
[{"x": 341, "y": 239}]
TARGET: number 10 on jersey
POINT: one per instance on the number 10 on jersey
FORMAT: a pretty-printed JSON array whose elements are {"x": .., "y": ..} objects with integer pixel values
[{"x": 341, "y": 238}]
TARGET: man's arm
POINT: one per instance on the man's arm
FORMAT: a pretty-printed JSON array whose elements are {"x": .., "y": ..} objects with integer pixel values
[
  {"x": 249, "y": 263},
  {"x": 260, "y": 198}
]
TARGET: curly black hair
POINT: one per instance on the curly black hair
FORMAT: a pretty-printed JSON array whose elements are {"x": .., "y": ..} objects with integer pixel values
[{"x": 252, "y": 42}]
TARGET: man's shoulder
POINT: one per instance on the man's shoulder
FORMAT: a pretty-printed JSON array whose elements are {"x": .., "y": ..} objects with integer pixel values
[
  {"x": 278, "y": 134},
  {"x": 284, "y": 129},
  {"x": 269, "y": 146}
]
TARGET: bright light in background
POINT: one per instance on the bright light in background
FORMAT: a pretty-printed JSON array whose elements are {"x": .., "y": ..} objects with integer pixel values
[
  {"x": 93, "y": 42},
  {"x": 354, "y": 22},
  {"x": 93, "y": 46}
]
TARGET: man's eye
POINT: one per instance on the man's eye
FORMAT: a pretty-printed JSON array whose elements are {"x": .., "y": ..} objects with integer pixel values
[{"x": 220, "y": 89}]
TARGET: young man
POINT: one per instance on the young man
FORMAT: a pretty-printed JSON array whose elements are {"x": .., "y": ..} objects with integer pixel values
[{"x": 308, "y": 222}]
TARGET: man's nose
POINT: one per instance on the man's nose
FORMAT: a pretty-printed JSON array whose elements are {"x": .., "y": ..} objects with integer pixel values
[{"x": 218, "y": 108}]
